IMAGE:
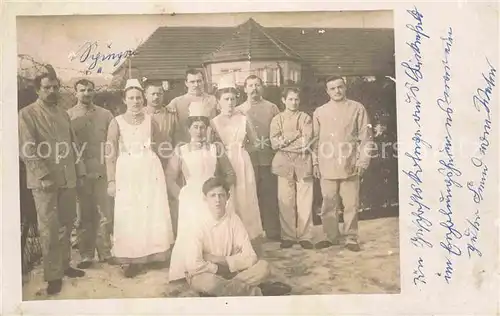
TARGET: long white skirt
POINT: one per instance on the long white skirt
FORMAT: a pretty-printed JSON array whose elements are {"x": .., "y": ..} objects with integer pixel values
[
  {"x": 193, "y": 211},
  {"x": 142, "y": 223},
  {"x": 243, "y": 199}
]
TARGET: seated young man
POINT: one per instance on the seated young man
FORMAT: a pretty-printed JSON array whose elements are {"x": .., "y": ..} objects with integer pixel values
[{"x": 220, "y": 260}]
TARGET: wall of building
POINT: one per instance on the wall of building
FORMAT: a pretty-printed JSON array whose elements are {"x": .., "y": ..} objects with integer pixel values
[{"x": 268, "y": 71}]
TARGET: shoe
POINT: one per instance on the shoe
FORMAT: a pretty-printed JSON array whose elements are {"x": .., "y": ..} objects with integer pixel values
[
  {"x": 74, "y": 273},
  {"x": 84, "y": 264},
  {"x": 274, "y": 238},
  {"x": 275, "y": 289},
  {"x": 323, "y": 244},
  {"x": 353, "y": 247},
  {"x": 132, "y": 270},
  {"x": 112, "y": 261},
  {"x": 306, "y": 244},
  {"x": 286, "y": 244},
  {"x": 54, "y": 287}
]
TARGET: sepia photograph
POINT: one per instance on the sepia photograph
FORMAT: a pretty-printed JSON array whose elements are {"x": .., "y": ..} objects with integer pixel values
[{"x": 208, "y": 155}]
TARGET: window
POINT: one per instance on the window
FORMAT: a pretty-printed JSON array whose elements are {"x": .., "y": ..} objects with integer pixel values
[
  {"x": 259, "y": 72},
  {"x": 166, "y": 85},
  {"x": 238, "y": 75},
  {"x": 270, "y": 76},
  {"x": 294, "y": 75}
]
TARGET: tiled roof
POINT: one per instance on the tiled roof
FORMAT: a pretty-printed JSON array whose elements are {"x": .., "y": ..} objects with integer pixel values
[
  {"x": 333, "y": 51},
  {"x": 251, "y": 41},
  {"x": 170, "y": 50}
]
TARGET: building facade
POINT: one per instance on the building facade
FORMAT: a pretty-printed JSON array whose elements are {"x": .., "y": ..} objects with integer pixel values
[{"x": 277, "y": 55}]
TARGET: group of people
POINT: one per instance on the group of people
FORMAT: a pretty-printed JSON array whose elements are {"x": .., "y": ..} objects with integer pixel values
[{"x": 201, "y": 182}]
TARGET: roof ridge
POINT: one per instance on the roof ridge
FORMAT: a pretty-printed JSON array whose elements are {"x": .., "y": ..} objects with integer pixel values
[
  {"x": 233, "y": 36},
  {"x": 276, "y": 42}
]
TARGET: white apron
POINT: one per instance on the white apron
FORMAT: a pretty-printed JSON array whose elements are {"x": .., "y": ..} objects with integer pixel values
[
  {"x": 200, "y": 165},
  {"x": 243, "y": 198},
  {"x": 142, "y": 223}
]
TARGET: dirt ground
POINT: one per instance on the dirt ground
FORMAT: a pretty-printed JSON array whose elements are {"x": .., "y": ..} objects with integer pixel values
[{"x": 329, "y": 271}]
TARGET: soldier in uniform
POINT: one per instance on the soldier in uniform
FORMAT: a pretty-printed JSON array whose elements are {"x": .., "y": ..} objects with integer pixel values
[
  {"x": 343, "y": 136},
  {"x": 52, "y": 156},
  {"x": 90, "y": 123}
]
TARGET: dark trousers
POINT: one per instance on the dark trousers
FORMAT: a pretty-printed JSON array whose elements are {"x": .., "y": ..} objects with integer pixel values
[
  {"x": 56, "y": 211},
  {"x": 96, "y": 222},
  {"x": 267, "y": 193}
]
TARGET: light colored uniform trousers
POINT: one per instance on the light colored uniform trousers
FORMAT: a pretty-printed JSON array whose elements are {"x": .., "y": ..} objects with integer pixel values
[
  {"x": 333, "y": 192},
  {"x": 245, "y": 283},
  {"x": 295, "y": 204},
  {"x": 56, "y": 211},
  {"x": 96, "y": 221}
]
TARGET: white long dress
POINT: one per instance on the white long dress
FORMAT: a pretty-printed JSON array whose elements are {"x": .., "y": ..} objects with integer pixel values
[
  {"x": 197, "y": 166},
  {"x": 243, "y": 199},
  {"x": 142, "y": 223}
]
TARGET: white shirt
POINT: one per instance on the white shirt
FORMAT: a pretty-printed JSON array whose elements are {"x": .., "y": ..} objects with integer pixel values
[{"x": 226, "y": 237}]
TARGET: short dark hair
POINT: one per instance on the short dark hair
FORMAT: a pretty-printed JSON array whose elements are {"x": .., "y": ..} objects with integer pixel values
[
  {"x": 152, "y": 83},
  {"x": 212, "y": 183},
  {"x": 253, "y": 77},
  {"x": 287, "y": 90},
  {"x": 334, "y": 78},
  {"x": 84, "y": 82},
  {"x": 39, "y": 78},
  {"x": 220, "y": 92},
  {"x": 192, "y": 119},
  {"x": 193, "y": 71}
]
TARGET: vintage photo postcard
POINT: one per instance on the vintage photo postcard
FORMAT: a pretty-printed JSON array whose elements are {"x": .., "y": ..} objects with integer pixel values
[{"x": 247, "y": 159}]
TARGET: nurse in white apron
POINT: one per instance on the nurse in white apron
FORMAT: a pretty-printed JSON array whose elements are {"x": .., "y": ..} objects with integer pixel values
[{"x": 197, "y": 161}]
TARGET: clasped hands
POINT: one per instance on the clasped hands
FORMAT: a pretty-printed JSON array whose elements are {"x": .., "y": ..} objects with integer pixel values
[{"x": 222, "y": 266}]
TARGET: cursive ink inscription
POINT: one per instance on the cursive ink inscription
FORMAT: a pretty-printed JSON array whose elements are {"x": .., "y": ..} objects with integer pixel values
[
  {"x": 92, "y": 53},
  {"x": 473, "y": 233},
  {"x": 448, "y": 271},
  {"x": 447, "y": 165},
  {"x": 422, "y": 223},
  {"x": 481, "y": 101},
  {"x": 451, "y": 234},
  {"x": 418, "y": 273},
  {"x": 444, "y": 101},
  {"x": 411, "y": 98},
  {"x": 413, "y": 67},
  {"x": 477, "y": 190}
]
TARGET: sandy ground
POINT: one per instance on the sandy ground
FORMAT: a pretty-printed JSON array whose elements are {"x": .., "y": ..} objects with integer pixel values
[{"x": 329, "y": 271}]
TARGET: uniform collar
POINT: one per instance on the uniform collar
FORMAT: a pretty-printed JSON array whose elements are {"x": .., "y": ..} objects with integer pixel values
[
  {"x": 289, "y": 113},
  {"x": 252, "y": 102},
  {"x": 202, "y": 95},
  {"x": 47, "y": 107},
  {"x": 153, "y": 110},
  {"x": 89, "y": 108},
  {"x": 333, "y": 103},
  {"x": 221, "y": 220}
]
